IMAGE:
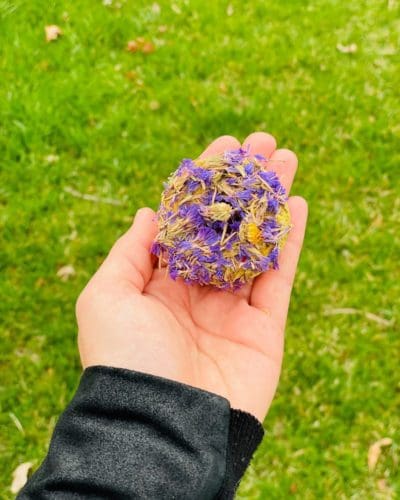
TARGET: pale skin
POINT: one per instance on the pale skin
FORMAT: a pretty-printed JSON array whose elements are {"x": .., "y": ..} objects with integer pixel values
[{"x": 132, "y": 315}]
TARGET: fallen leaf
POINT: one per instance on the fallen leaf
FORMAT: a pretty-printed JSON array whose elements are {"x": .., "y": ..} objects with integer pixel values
[
  {"x": 229, "y": 10},
  {"x": 154, "y": 105},
  {"x": 132, "y": 75},
  {"x": 140, "y": 45},
  {"x": 293, "y": 488},
  {"x": 148, "y": 48},
  {"x": 52, "y": 32},
  {"x": 66, "y": 272},
  {"x": 347, "y": 49},
  {"x": 375, "y": 450},
  {"x": 132, "y": 46},
  {"x": 52, "y": 158},
  {"x": 162, "y": 28},
  {"x": 155, "y": 8},
  {"x": 20, "y": 476}
]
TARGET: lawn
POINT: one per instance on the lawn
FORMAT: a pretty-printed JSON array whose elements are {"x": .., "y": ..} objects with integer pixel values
[{"x": 83, "y": 116}]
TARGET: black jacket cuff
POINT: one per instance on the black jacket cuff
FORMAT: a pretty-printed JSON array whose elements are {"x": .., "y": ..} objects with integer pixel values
[
  {"x": 128, "y": 434},
  {"x": 245, "y": 434}
]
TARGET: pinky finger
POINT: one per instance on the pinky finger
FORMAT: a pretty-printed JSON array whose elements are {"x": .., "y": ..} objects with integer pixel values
[{"x": 272, "y": 289}]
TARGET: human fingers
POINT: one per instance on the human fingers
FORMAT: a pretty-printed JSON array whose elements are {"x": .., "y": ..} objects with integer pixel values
[
  {"x": 260, "y": 143},
  {"x": 271, "y": 290},
  {"x": 130, "y": 257},
  {"x": 223, "y": 143},
  {"x": 284, "y": 163}
]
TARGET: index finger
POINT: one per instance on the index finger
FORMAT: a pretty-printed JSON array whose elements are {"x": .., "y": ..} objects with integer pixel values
[
  {"x": 223, "y": 143},
  {"x": 281, "y": 161}
]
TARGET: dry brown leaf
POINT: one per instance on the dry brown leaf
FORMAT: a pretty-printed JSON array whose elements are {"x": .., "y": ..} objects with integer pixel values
[
  {"x": 155, "y": 8},
  {"x": 52, "y": 32},
  {"x": 148, "y": 48},
  {"x": 347, "y": 49},
  {"x": 20, "y": 476},
  {"x": 140, "y": 45},
  {"x": 131, "y": 75},
  {"x": 154, "y": 105},
  {"x": 132, "y": 46},
  {"x": 375, "y": 450},
  {"x": 66, "y": 272}
]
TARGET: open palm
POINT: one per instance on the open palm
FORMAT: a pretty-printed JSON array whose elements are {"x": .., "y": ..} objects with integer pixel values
[{"x": 132, "y": 315}]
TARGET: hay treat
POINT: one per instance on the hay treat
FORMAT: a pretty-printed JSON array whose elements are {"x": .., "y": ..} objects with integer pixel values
[{"x": 222, "y": 220}]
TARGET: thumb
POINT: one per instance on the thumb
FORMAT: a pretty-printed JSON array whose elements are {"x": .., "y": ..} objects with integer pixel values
[{"x": 130, "y": 257}]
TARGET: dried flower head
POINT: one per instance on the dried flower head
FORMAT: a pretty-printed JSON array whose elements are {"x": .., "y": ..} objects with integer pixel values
[{"x": 222, "y": 220}]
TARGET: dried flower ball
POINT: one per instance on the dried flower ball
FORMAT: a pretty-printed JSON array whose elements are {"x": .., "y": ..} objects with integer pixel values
[{"x": 222, "y": 220}]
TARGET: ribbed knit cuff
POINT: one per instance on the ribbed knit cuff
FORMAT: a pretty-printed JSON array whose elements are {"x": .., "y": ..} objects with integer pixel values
[{"x": 245, "y": 434}]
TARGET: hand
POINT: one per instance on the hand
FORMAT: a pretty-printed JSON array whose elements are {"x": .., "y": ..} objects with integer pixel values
[{"x": 132, "y": 315}]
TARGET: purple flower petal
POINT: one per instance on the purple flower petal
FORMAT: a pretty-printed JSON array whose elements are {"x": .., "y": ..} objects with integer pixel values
[{"x": 235, "y": 156}]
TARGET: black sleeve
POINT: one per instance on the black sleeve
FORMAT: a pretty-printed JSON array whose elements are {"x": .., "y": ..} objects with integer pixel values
[{"x": 129, "y": 435}]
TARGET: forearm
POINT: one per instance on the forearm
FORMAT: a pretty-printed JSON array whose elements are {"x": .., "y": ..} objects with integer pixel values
[{"x": 131, "y": 435}]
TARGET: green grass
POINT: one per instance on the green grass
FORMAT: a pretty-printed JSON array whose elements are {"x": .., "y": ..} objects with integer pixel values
[{"x": 270, "y": 66}]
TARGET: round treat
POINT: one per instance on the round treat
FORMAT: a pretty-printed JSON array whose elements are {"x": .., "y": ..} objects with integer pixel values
[{"x": 222, "y": 220}]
